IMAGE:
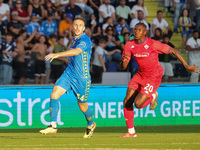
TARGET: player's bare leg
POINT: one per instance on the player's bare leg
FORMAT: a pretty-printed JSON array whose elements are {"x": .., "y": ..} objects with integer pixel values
[
  {"x": 54, "y": 108},
  {"x": 154, "y": 102},
  {"x": 87, "y": 111}
]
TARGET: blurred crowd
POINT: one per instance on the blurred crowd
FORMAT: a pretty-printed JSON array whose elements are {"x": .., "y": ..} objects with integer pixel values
[{"x": 31, "y": 29}]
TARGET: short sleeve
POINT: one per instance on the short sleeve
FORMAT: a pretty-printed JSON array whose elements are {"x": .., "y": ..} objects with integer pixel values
[
  {"x": 161, "y": 47},
  {"x": 165, "y": 23},
  {"x": 84, "y": 44},
  {"x": 112, "y": 9}
]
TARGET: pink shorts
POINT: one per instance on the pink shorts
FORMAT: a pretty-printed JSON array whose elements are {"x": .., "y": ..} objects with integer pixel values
[{"x": 145, "y": 85}]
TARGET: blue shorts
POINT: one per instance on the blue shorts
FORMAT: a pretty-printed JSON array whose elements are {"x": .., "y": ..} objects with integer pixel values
[
  {"x": 79, "y": 86},
  {"x": 185, "y": 34}
]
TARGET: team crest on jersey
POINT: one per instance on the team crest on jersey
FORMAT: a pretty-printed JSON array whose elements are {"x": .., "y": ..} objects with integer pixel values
[
  {"x": 83, "y": 44},
  {"x": 146, "y": 46},
  {"x": 132, "y": 46}
]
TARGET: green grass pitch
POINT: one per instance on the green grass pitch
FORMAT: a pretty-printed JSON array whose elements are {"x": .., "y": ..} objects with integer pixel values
[{"x": 104, "y": 138}]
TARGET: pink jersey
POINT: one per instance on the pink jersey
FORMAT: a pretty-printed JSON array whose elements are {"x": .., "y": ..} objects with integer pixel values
[{"x": 146, "y": 56}]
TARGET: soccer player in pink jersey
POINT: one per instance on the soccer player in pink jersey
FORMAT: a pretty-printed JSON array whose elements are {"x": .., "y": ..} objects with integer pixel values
[{"x": 142, "y": 87}]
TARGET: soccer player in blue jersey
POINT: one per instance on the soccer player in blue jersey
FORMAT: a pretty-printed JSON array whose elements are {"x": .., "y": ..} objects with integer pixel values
[{"x": 76, "y": 77}]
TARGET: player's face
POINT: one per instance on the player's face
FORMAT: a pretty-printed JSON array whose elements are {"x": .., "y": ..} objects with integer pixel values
[
  {"x": 79, "y": 27},
  {"x": 139, "y": 32}
]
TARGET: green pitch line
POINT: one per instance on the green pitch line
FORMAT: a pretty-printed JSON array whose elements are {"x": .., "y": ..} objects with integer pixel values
[{"x": 153, "y": 137}]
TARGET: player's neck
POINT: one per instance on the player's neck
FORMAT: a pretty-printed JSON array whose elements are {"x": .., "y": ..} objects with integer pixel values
[
  {"x": 77, "y": 36},
  {"x": 139, "y": 41}
]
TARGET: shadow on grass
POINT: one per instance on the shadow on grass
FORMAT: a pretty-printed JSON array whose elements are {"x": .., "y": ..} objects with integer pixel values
[{"x": 139, "y": 129}]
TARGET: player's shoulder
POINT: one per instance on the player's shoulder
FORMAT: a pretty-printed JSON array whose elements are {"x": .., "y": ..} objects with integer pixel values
[{"x": 130, "y": 42}]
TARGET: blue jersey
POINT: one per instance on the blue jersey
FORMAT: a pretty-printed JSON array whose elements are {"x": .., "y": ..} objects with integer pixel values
[{"x": 79, "y": 66}]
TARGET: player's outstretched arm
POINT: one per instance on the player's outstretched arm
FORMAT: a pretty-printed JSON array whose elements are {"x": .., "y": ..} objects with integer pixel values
[
  {"x": 182, "y": 60},
  {"x": 124, "y": 62},
  {"x": 72, "y": 52}
]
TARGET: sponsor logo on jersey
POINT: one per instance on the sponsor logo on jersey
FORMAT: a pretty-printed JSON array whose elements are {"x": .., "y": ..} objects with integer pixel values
[{"x": 142, "y": 55}]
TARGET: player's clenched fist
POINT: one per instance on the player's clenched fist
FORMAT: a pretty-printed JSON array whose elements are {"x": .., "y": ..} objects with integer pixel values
[{"x": 125, "y": 58}]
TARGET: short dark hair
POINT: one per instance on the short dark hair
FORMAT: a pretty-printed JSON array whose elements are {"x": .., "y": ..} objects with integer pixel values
[
  {"x": 141, "y": 24},
  {"x": 8, "y": 34},
  {"x": 52, "y": 36},
  {"x": 79, "y": 18},
  {"x": 194, "y": 31},
  {"x": 60, "y": 37},
  {"x": 159, "y": 11},
  {"x": 101, "y": 40},
  {"x": 166, "y": 36},
  {"x": 126, "y": 33}
]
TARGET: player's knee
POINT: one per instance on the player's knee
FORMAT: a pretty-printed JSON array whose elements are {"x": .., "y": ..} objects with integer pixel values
[{"x": 138, "y": 104}]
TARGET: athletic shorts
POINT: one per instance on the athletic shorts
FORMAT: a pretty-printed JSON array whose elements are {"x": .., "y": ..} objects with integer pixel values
[
  {"x": 40, "y": 67},
  {"x": 145, "y": 85},
  {"x": 79, "y": 86},
  {"x": 168, "y": 69},
  {"x": 20, "y": 68}
]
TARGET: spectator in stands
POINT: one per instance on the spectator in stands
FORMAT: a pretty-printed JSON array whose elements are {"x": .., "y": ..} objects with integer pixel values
[
  {"x": 136, "y": 8},
  {"x": 83, "y": 5},
  {"x": 57, "y": 65},
  {"x": 123, "y": 31},
  {"x": 34, "y": 41},
  {"x": 8, "y": 52},
  {"x": 158, "y": 35},
  {"x": 3, "y": 29},
  {"x": 95, "y": 4},
  {"x": 5, "y": 12},
  {"x": 95, "y": 27},
  {"x": 40, "y": 67},
  {"x": 60, "y": 5},
  {"x": 140, "y": 18},
  {"x": 41, "y": 2},
  {"x": 108, "y": 21},
  {"x": 193, "y": 47},
  {"x": 20, "y": 65},
  {"x": 178, "y": 5},
  {"x": 121, "y": 22},
  {"x": 50, "y": 9},
  {"x": 33, "y": 25},
  {"x": 23, "y": 16},
  {"x": 126, "y": 38},
  {"x": 123, "y": 11},
  {"x": 49, "y": 26},
  {"x": 197, "y": 14},
  {"x": 185, "y": 23},
  {"x": 106, "y": 10},
  {"x": 192, "y": 10},
  {"x": 73, "y": 9},
  {"x": 14, "y": 26},
  {"x": 65, "y": 25},
  {"x": 164, "y": 60},
  {"x": 52, "y": 43},
  {"x": 37, "y": 9},
  {"x": 99, "y": 60},
  {"x": 131, "y": 3},
  {"x": 159, "y": 22},
  {"x": 113, "y": 43}
]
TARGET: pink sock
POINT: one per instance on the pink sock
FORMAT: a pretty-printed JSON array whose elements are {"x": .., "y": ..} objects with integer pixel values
[
  {"x": 147, "y": 102},
  {"x": 129, "y": 115}
]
